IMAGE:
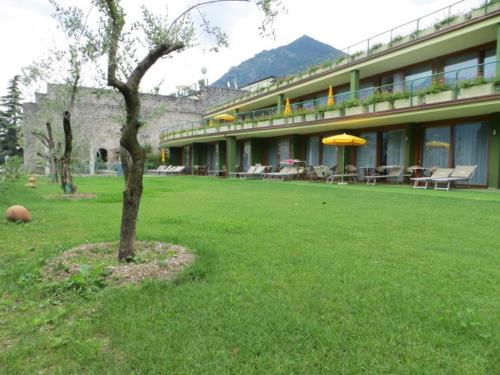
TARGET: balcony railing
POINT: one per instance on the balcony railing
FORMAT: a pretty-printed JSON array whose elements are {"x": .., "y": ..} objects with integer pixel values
[
  {"x": 454, "y": 14},
  {"x": 450, "y": 85}
]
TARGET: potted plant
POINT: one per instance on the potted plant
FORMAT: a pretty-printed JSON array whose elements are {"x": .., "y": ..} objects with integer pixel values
[
  {"x": 401, "y": 99},
  {"x": 263, "y": 121},
  {"x": 279, "y": 119},
  {"x": 249, "y": 123},
  {"x": 476, "y": 87},
  {"x": 332, "y": 111},
  {"x": 438, "y": 92},
  {"x": 352, "y": 107},
  {"x": 380, "y": 101}
]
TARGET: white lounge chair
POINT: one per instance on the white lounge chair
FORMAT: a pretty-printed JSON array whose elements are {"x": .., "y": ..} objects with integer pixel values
[
  {"x": 461, "y": 173},
  {"x": 438, "y": 173},
  {"x": 395, "y": 173}
]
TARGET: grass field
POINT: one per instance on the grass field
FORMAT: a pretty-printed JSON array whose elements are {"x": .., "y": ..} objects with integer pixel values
[{"x": 290, "y": 278}]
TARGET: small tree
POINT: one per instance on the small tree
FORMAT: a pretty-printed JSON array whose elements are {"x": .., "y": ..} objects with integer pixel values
[
  {"x": 162, "y": 38},
  {"x": 11, "y": 120},
  {"x": 80, "y": 51}
]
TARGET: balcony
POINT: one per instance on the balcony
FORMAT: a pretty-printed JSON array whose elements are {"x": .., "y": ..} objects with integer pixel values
[
  {"x": 459, "y": 13},
  {"x": 457, "y": 86}
]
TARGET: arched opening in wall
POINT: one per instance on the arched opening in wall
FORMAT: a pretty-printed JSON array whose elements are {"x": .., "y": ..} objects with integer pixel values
[{"x": 102, "y": 155}]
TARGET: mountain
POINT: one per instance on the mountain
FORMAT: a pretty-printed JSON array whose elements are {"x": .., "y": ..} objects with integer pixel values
[{"x": 288, "y": 59}]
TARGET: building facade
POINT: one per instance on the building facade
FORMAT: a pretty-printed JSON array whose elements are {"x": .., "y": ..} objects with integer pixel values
[
  {"x": 430, "y": 97},
  {"x": 97, "y": 119}
]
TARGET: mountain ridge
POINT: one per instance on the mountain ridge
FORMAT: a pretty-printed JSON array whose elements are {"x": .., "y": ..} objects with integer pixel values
[{"x": 286, "y": 59}]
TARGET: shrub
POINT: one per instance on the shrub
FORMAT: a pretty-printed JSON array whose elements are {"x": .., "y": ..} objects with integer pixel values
[
  {"x": 375, "y": 47},
  {"x": 395, "y": 40},
  {"x": 378, "y": 98},
  {"x": 400, "y": 95},
  {"x": 351, "y": 103},
  {"x": 473, "y": 82},
  {"x": 435, "y": 88}
]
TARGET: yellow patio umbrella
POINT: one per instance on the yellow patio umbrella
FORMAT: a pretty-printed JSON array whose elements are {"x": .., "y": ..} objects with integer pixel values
[
  {"x": 162, "y": 155},
  {"x": 344, "y": 140},
  {"x": 437, "y": 144},
  {"x": 288, "y": 108},
  {"x": 331, "y": 100},
  {"x": 224, "y": 117}
]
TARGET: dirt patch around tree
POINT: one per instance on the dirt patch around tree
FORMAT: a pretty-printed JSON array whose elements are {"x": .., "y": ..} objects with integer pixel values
[
  {"x": 153, "y": 260},
  {"x": 71, "y": 197}
]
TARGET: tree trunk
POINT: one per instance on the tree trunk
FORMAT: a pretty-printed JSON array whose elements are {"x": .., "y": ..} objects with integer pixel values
[
  {"x": 66, "y": 178},
  {"x": 52, "y": 154},
  {"x": 132, "y": 159}
]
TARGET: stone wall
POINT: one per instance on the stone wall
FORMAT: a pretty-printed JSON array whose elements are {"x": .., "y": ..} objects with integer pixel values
[{"x": 97, "y": 119}]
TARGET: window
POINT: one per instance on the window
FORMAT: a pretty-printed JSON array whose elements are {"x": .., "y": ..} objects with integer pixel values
[
  {"x": 366, "y": 156},
  {"x": 365, "y": 90},
  {"x": 272, "y": 154},
  {"x": 341, "y": 95},
  {"x": 329, "y": 155},
  {"x": 460, "y": 68},
  {"x": 489, "y": 63},
  {"x": 419, "y": 77},
  {"x": 395, "y": 147},
  {"x": 471, "y": 148},
  {"x": 312, "y": 151},
  {"x": 247, "y": 152},
  {"x": 436, "y": 147},
  {"x": 284, "y": 149}
]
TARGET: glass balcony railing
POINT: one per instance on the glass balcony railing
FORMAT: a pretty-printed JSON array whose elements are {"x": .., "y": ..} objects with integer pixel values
[
  {"x": 465, "y": 83},
  {"x": 452, "y": 15}
]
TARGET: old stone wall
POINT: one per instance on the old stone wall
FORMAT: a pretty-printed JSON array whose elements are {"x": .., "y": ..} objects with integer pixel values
[{"x": 98, "y": 116}]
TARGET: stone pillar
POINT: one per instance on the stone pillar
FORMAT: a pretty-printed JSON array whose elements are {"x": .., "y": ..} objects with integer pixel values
[
  {"x": 354, "y": 84},
  {"x": 92, "y": 161},
  {"x": 231, "y": 154},
  {"x": 494, "y": 152}
]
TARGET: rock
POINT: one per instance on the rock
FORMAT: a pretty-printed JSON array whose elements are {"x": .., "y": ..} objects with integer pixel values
[
  {"x": 30, "y": 185},
  {"x": 18, "y": 213},
  {"x": 32, "y": 179}
]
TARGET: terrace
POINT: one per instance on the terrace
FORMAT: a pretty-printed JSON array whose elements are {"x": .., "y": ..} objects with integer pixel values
[
  {"x": 453, "y": 16},
  {"x": 446, "y": 88}
]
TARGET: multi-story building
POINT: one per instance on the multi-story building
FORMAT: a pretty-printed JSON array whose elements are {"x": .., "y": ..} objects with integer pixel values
[{"x": 426, "y": 93}]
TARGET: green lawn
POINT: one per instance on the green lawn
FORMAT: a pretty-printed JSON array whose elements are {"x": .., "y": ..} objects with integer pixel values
[{"x": 291, "y": 278}]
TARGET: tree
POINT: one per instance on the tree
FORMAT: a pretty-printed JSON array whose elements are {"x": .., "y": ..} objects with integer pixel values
[
  {"x": 11, "y": 120},
  {"x": 50, "y": 156},
  {"x": 162, "y": 38},
  {"x": 80, "y": 51}
]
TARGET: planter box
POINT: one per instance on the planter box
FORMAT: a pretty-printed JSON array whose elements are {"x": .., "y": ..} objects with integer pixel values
[
  {"x": 211, "y": 130},
  {"x": 443, "y": 96},
  {"x": 298, "y": 119},
  {"x": 353, "y": 111},
  {"x": 332, "y": 114},
  {"x": 280, "y": 121},
  {"x": 224, "y": 128},
  {"x": 249, "y": 125},
  {"x": 479, "y": 90},
  {"x": 262, "y": 124},
  {"x": 311, "y": 117},
  {"x": 404, "y": 103},
  {"x": 383, "y": 106}
]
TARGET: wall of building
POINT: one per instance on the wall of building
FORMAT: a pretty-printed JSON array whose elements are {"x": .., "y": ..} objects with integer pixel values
[{"x": 98, "y": 117}]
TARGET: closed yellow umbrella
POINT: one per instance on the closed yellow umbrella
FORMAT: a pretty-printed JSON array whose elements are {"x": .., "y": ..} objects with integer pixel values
[
  {"x": 163, "y": 155},
  {"x": 331, "y": 100},
  {"x": 344, "y": 140},
  {"x": 225, "y": 117},
  {"x": 288, "y": 108}
]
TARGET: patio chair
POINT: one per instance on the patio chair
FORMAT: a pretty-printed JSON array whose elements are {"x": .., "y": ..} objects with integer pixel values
[
  {"x": 320, "y": 172},
  {"x": 284, "y": 173},
  {"x": 157, "y": 170},
  {"x": 250, "y": 170},
  {"x": 395, "y": 173},
  {"x": 438, "y": 173},
  {"x": 461, "y": 173}
]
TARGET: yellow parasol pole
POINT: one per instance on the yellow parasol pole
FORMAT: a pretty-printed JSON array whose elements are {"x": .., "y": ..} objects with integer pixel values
[
  {"x": 331, "y": 100},
  {"x": 162, "y": 155}
]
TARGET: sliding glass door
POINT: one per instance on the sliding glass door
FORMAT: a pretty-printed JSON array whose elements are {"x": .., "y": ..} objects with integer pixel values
[
  {"x": 366, "y": 156},
  {"x": 437, "y": 144},
  {"x": 471, "y": 148}
]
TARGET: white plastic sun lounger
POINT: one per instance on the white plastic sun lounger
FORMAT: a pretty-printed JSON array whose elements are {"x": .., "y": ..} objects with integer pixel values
[
  {"x": 395, "y": 173},
  {"x": 438, "y": 173},
  {"x": 461, "y": 173}
]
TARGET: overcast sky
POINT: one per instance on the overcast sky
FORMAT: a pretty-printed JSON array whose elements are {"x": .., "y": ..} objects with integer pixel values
[{"x": 27, "y": 30}]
